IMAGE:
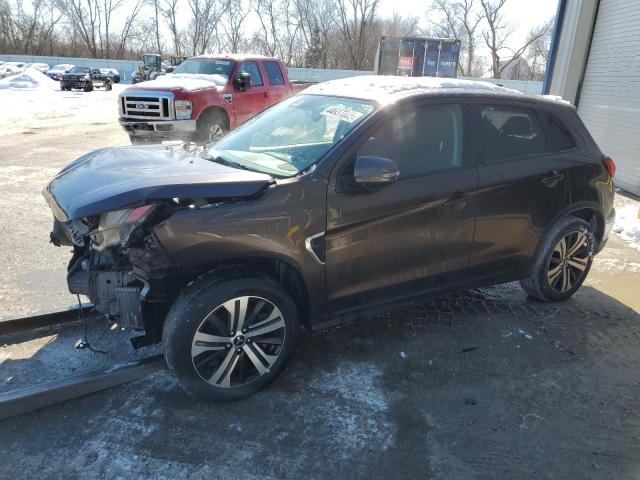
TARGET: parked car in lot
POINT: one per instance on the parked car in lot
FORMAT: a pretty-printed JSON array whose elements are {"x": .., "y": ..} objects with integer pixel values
[
  {"x": 350, "y": 199},
  {"x": 85, "y": 78},
  {"x": 203, "y": 98},
  {"x": 112, "y": 73},
  {"x": 58, "y": 71}
]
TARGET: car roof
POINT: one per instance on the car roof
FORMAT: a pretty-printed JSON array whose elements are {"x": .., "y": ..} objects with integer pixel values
[
  {"x": 234, "y": 56},
  {"x": 385, "y": 89}
]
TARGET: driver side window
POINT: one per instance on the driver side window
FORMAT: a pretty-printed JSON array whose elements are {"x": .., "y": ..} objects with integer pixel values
[
  {"x": 421, "y": 140},
  {"x": 252, "y": 69}
]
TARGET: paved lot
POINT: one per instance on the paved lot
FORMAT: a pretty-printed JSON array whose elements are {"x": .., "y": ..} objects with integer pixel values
[{"x": 485, "y": 384}]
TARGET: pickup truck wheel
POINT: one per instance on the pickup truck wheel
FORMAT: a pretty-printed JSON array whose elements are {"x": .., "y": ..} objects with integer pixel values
[
  {"x": 226, "y": 338},
  {"x": 211, "y": 127},
  {"x": 88, "y": 87},
  {"x": 107, "y": 86}
]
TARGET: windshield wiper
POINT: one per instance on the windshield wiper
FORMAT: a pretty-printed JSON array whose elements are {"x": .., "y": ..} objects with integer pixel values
[{"x": 229, "y": 163}]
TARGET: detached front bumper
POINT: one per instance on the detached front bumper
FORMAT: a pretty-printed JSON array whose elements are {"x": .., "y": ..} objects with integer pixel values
[{"x": 162, "y": 129}]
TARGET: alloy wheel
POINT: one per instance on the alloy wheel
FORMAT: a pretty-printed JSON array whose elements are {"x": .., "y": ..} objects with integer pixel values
[
  {"x": 238, "y": 342},
  {"x": 568, "y": 262},
  {"x": 216, "y": 132}
]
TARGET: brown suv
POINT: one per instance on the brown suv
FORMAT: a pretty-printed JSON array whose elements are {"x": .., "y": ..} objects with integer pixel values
[{"x": 342, "y": 202}]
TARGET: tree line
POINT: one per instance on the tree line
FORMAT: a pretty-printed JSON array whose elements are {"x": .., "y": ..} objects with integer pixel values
[{"x": 340, "y": 34}]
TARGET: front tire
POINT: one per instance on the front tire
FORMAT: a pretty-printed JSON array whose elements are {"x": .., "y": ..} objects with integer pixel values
[
  {"x": 563, "y": 261},
  {"x": 211, "y": 127},
  {"x": 88, "y": 87},
  {"x": 228, "y": 337}
]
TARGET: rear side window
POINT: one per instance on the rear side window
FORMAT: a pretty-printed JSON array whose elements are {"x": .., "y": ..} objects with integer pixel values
[
  {"x": 510, "y": 132},
  {"x": 274, "y": 75},
  {"x": 252, "y": 69},
  {"x": 560, "y": 139},
  {"x": 420, "y": 140}
]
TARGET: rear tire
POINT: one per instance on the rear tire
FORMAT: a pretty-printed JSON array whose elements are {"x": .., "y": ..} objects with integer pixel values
[
  {"x": 211, "y": 127},
  {"x": 563, "y": 261},
  {"x": 227, "y": 337}
]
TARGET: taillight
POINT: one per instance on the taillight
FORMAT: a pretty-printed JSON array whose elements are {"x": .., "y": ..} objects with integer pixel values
[{"x": 610, "y": 165}]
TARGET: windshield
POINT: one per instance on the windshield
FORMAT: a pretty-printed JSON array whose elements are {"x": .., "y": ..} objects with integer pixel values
[
  {"x": 206, "y": 66},
  {"x": 292, "y": 135},
  {"x": 79, "y": 70}
]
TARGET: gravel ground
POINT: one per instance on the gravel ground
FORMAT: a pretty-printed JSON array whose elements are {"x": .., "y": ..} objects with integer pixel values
[{"x": 484, "y": 384}]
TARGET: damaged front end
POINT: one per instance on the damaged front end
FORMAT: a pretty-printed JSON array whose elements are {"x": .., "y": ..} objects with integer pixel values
[
  {"x": 120, "y": 266},
  {"x": 106, "y": 205}
]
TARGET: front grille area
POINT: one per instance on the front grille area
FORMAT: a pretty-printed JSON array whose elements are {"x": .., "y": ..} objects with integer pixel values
[{"x": 157, "y": 106}]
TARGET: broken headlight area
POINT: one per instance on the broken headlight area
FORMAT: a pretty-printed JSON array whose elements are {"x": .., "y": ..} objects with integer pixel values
[{"x": 115, "y": 228}]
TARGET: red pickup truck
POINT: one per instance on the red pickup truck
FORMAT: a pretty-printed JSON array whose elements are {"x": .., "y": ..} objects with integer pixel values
[{"x": 204, "y": 97}]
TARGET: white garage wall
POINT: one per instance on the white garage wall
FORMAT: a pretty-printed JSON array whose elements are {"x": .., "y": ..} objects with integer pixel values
[{"x": 609, "y": 101}]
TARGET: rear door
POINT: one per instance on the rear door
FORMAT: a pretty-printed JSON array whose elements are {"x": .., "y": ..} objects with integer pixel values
[
  {"x": 410, "y": 236},
  {"x": 254, "y": 100},
  {"x": 523, "y": 186},
  {"x": 276, "y": 78}
]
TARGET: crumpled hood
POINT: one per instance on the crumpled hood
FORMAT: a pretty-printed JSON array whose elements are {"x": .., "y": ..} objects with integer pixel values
[
  {"x": 115, "y": 178},
  {"x": 186, "y": 82}
]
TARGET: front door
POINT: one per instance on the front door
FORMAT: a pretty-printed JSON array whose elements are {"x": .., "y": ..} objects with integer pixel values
[
  {"x": 252, "y": 101},
  {"x": 410, "y": 236}
]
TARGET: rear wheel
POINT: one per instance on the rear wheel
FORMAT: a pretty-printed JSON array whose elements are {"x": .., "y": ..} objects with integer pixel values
[
  {"x": 211, "y": 127},
  {"x": 563, "y": 261},
  {"x": 226, "y": 338}
]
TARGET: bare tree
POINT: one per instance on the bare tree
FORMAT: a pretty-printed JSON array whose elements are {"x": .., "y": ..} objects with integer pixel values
[
  {"x": 169, "y": 10},
  {"x": 499, "y": 32},
  {"x": 231, "y": 24},
  {"x": 355, "y": 22},
  {"x": 460, "y": 20},
  {"x": 205, "y": 15}
]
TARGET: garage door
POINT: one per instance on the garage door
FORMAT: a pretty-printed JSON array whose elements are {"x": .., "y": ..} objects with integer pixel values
[{"x": 610, "y": 99}]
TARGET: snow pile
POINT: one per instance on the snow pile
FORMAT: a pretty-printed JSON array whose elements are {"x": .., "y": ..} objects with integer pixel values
[
  {"x": 30, "y": 79},
  {"x": 627, "y": 223}
]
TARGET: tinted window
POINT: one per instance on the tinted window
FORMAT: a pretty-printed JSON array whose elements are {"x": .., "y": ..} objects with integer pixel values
[
  {"x": 274, "y": 75},
  {"x": 559, "y": 137},
  {"x": 509, "y": 132},
  {"x": 253, "y": 70},
  {"x": 421, "y": 140},
  {"x": 79, "y": 70}
]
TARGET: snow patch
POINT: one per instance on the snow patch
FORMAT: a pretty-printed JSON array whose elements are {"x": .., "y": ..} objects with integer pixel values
[
  {"x": 512, "y": 332},
  {"x": 627, "y": 224},
  {"x": 30, "y": 79},
  {"x": 357, "y": 382},
  {"x": 185, "y": 82},
  {"x": 384, "y": 89}
]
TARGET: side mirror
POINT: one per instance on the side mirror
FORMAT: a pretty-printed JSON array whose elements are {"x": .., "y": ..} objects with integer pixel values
[
  {"x": 370, "y": 170},
  {"x": 243, "y": 81}
]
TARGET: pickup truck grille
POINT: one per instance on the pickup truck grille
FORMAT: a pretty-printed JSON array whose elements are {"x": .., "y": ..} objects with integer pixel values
[{"x": 147, "y": 106}]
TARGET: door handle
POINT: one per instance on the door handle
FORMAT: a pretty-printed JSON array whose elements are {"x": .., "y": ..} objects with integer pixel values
[
  {"x": 553, "y": 178},
  {"x": 457, "y": 201}
]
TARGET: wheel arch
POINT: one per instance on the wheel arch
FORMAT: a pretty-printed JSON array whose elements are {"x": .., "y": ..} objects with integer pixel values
[
  {"x": 213, "y": 110},
  {"x": 587, "y": 211},
  {"x": 280, "y": 270}
]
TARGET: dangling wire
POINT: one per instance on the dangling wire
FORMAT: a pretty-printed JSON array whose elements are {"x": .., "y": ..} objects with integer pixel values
[{"x": 84, "y": 343}]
